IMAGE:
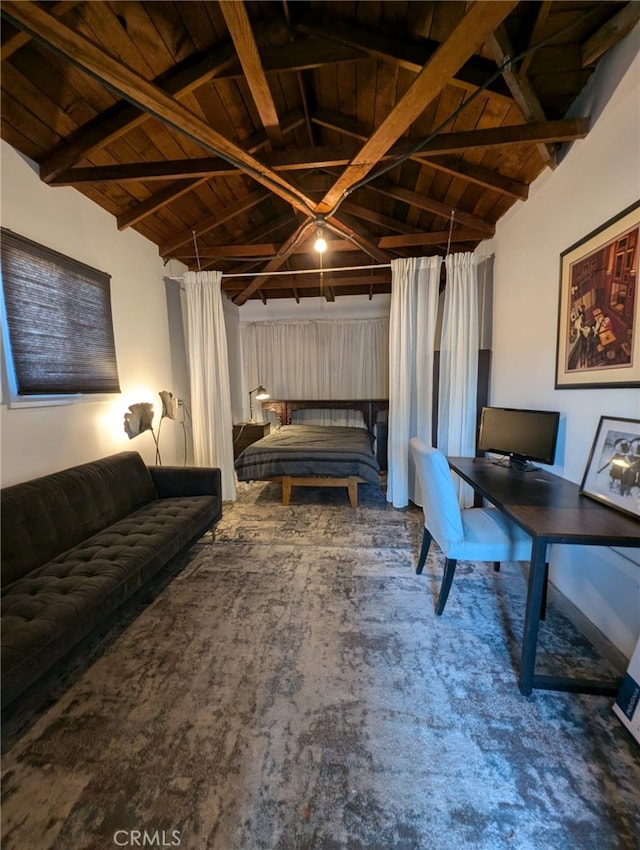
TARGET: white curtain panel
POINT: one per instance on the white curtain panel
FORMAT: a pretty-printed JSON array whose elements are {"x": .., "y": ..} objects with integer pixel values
[
  {"x": 459, "y": 364},
  {"x": 412, "y": 327},
  {"x": 316, "y": 359},
  {"x": 209, "y": 376}
]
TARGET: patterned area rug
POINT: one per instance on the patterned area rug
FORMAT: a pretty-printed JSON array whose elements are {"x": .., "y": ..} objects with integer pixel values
[{"x": 292, "y": 689}]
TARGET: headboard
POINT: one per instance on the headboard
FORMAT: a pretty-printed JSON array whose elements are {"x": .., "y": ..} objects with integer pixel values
[{"x": 370, "y": 408}]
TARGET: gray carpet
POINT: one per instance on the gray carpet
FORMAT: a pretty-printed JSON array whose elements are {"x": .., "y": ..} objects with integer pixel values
[{"x": 291, "y": 688}]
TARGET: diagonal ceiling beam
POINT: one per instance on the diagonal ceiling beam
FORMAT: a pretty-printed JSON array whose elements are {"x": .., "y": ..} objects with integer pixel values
[
  {"x": 167, "y": 248},
  {"x": 471, "y": 172},
  {"x": 237, "y": 20},
  {"x": 536, "y": 34},
  {"x": 405, "y": 53},
  {"x": 276, "y": 263},
  {"x": 221, "y": 63},
  {"x": 20, "y": 38},
  {"x": 564, "y": 129},
  {"x": 353, "y": 232},
  {"x": 293, "y": 159},
  {"x": 176, "y": 190},
  {"x": 610, "y": 34},
  {"x": 481, "y": 20},
  {"x": 145, "y": 95},
  {"x": 521, "y": 89},
  {"x": 123, "y": 117},
  {"x": 415, "y": 199}
]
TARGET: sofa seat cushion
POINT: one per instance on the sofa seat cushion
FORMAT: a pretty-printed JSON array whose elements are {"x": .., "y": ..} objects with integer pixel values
[
  {"x": 47, "y": 612},
  {"x": 47, "y": 516}
]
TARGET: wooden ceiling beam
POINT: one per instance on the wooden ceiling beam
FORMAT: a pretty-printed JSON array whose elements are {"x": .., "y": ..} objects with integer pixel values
[
  {"x": 472, "y": 173},
  {"x": 167, "y": 248},
  {"x": 164, "y": 197},
  {"x": 479, "y": 175},
  {"x": 435, "y": 238},
  {"x": 176, "y": 190},
  {"x": 20, "y": 38},
  {"x": 353, "y": 232},
  {"x": 331, "y": 156},
  {"x": 484, "y": 228},
  {"x": 378, "y": 219},
  {"x": 275, "y": 264},
  {"x": 565, "y": 129},
  {"x": 366, "y": 278},
  {"x": 521, "y": 89},
  {"x": 294, "y": 159},
  {"x": 405, "y": 53},
  {"x": 360, "y": 237},
  {"x": 266, "y": 249},
  {"x": 610, "y": 34},
  {"x": 123, "y": 117},
  {"x": 302, "y": 54},
  {"x": 90, "y": 58},
  {"x": 185, "y": 78},
  {"x": 334, "y": 246},
  {"x": 478, "y": 23},
  {"x": 239, "y": 26},
  {"x": 536, "y": 34}
]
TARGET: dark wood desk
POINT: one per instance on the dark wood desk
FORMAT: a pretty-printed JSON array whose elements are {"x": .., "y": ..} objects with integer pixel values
[{"x": 551, "y": 510}]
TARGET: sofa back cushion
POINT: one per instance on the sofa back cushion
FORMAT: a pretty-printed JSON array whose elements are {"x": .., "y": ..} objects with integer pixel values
[{"x": 46, "y": 516}]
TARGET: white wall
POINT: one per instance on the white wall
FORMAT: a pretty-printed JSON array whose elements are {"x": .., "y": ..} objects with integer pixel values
[
  {"x": 598, "y": 178},
  {"x": 38, "y": 440}
]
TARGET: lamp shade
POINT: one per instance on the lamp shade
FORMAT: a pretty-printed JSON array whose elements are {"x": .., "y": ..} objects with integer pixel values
[{"x": 260, "y": 393}]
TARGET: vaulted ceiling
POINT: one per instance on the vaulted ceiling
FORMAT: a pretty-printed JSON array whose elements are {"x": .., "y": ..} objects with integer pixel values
[{"x": 228, "y": 133}]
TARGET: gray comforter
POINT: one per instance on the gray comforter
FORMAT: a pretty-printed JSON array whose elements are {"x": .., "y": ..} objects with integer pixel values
[{"x": 329, "y": 451}]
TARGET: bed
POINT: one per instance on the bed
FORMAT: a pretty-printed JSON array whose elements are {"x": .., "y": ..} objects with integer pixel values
[{"x": 312, "y": 454}]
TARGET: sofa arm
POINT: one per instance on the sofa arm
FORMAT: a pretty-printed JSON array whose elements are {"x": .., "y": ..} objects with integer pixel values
[{"x": 187, "y": 481}]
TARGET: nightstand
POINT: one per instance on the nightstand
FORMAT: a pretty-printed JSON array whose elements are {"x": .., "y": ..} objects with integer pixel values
[{"x": 245, "y": 433}]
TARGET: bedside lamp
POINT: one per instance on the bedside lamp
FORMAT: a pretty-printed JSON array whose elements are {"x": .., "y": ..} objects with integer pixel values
[{"x": 261, "y": 394}]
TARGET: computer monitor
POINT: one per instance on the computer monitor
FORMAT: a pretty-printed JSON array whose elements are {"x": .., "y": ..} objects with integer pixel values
[{"x": 521, "y": 435}]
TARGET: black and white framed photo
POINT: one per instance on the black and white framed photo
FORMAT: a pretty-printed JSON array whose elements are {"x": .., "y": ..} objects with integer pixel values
[{"x": 612, "y": 474}]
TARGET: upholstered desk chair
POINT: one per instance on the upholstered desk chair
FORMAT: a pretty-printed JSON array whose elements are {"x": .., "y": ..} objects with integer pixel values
[{"x": 470, "y": 534}]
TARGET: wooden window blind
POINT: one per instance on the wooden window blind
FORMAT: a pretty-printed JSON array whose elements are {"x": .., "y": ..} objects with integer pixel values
[{"x": 58, "y": 319}]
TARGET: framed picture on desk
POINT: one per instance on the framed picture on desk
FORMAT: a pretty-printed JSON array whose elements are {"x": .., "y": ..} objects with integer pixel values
[{"x": 612, "y": 474}]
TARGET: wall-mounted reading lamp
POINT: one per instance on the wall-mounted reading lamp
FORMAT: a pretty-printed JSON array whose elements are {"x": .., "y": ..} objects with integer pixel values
[
  {"x": 139, "y": 418},
  {"x": 261, "y": 395}
]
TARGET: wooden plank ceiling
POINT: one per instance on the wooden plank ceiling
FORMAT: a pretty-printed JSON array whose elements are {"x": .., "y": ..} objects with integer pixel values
[{"x": 228, "y": 133}]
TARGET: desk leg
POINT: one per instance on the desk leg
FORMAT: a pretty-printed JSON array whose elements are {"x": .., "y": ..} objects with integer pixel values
[{"x": 535, "y": 589}]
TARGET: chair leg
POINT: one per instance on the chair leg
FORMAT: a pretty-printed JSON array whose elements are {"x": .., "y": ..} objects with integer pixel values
[
  {"x": 426, "y": 542},
  {"x": 543, "y": 604},
  {"x": 496, "y": 566},
  {"x": 445, "y": 587}
]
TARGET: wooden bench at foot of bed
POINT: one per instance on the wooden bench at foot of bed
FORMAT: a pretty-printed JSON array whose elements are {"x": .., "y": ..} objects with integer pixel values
[{"x": 351, "y": 483}]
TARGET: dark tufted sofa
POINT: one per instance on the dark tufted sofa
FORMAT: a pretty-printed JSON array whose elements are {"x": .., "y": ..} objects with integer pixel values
[{"x": 78, "y": 543}]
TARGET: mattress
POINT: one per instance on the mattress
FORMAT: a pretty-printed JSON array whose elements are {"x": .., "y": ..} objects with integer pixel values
[{"x": 328, "y": 451}]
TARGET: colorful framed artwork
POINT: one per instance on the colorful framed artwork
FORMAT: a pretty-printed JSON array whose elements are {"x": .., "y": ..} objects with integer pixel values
[
  {"x": 599, "y": 310},
  {"x": 612, "y": 474}
]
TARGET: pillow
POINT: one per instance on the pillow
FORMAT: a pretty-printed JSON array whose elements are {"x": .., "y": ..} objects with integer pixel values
[{"x": 327, "y": 416}]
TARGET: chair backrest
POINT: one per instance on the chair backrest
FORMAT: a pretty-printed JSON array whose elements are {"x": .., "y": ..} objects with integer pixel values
[{"x": 440, "y": 502}]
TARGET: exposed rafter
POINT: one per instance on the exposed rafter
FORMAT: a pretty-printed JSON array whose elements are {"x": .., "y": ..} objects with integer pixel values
[{"x": 227, "y": 132}]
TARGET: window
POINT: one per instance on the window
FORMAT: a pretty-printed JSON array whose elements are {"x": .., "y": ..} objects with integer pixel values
[{"x": 57, "y": 322}]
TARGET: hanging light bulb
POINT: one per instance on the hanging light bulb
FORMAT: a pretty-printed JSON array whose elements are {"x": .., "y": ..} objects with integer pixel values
[{"x": 320, "y": 244}]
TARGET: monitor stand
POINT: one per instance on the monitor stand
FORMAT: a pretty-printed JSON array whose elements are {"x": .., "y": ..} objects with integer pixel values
[{"x": 522, "y": 464}]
